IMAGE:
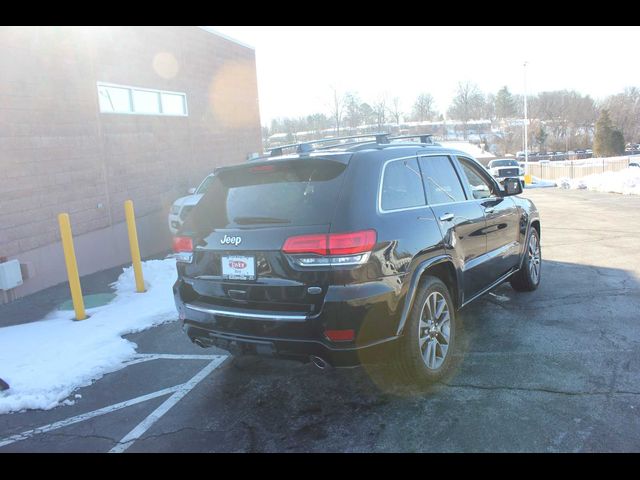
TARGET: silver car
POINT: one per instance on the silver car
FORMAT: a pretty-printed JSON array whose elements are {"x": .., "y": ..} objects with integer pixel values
[{"x": 183, "y": 205}]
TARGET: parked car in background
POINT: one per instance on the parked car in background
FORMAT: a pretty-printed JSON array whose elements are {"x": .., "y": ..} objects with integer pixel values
[
  {"x": 183, "y": 205},
  {"x": 506, "y": 168},
  {"x": 634, "y": 164}
]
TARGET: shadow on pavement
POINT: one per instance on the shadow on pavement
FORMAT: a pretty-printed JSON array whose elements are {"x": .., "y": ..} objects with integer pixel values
[{"x": 535, "y": 367}]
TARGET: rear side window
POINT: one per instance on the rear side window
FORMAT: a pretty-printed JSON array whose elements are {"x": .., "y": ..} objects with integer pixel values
[
  {"x": 441, "y": 180},
  {"x": 402, "y": 185},
  {"x": 283, "y": 193}
]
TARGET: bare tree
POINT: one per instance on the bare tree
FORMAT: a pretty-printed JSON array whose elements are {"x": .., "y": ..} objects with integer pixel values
[
  {"x": 489, "y": 110},
  {"x": 624, "y": 109},
  {"x": 423, "y": 108},
  {"x": 468, "y": 104},
  {"x": 337, "y": 107},
  {"x": 568, "y": 116},
  {"x": 380, "y": 110},
  {"x": 394, "y": 110},
  {"x": 353, "y": 109}
]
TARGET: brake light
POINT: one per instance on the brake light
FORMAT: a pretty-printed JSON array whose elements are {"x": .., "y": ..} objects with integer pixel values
[
  {"x": 351, "y": 243},
  {"x": 331, "y": 249},
  {"x": 183, "y": 249},
  {"x": 182, "y": 244},
  {"x": 306, "y": 244}
]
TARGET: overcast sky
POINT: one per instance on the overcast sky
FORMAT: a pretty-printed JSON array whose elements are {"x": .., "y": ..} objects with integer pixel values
[{"x": 297, "y": 65}]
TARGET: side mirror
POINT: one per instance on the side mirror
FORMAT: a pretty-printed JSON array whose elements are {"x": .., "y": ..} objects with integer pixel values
[
  {"x": 512, "y": 186},
  {"x": 191, "y": 191}
]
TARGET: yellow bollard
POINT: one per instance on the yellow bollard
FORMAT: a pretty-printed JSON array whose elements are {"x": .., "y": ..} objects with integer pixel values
[
  {"x": 72, "y": 266},
  {"x": 133, "y": 245},
  {"x": 527, "y": 179}
]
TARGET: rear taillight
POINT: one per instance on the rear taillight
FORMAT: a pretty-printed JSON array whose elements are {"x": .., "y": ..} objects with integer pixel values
[
  {"x": 350, "y": 243},
  {"x": 183, "y": 249},
  {"x": 306, "y": 244},
  {"x": 351, "y": 248}
]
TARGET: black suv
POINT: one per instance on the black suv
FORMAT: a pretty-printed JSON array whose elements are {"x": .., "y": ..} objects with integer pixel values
[{"x": 351, "y": 253}]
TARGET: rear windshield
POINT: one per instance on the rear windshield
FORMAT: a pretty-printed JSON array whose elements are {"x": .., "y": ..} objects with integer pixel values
[{"x": 284, "y": 193}]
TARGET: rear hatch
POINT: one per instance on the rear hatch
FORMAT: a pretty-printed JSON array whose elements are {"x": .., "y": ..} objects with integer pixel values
[{"x": 241, "y": 224}]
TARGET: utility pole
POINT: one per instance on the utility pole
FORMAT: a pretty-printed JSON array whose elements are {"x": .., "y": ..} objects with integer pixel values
[{"x": 526, "y": 122}]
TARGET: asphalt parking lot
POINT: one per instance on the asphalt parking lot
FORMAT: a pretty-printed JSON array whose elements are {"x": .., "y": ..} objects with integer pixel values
[{"x": 555, "y": 370}]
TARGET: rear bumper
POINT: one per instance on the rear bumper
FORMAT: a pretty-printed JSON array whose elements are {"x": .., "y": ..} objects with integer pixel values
[
  {"x": 292, "y": 349},
  {"x": 371, "y": 309}
]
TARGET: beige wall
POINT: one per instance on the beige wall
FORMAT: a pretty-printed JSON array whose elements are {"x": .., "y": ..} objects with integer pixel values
[{"x": 58, "y": 153}]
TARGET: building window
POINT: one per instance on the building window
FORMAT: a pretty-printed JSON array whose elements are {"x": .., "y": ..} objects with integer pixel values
[{"x": 140, "y": 101}]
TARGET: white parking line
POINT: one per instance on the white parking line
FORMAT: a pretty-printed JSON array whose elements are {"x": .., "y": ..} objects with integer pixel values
[
  {"x": 86, "y": 416},
  {"x": 185, "y": 388},
  {"x": 179, "y": 391},
  {"x": 145, "y": 357}
]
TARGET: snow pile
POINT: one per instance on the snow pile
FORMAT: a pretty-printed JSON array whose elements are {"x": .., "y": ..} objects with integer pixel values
[
  {"x": 539, "y": 183},
  {"x": 626, "y": 181},
  {"x": 44, "y": 362}
]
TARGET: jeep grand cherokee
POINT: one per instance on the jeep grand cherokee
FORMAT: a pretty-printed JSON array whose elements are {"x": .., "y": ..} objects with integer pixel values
[{"x": 353, "y": 253}]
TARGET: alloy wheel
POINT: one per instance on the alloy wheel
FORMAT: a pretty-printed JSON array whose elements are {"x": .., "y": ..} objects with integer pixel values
[
  {"x": 534, "y": 259},
  {"x": 434, "y": 330}
]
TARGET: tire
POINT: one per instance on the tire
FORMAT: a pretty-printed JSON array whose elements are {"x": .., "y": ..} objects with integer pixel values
[
  {"x": 421, "y": 359},
  {"x": 527, "y": 278}
]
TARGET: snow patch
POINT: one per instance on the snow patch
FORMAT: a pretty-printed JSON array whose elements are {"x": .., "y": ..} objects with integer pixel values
[
  {"x": 626, "y": 181},
  {"x": 539, "y": 183},
  {"x": 45, "y": 361}
]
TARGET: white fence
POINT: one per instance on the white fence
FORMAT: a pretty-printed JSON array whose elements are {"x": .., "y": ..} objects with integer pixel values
[{"x": 555, "y": 170}]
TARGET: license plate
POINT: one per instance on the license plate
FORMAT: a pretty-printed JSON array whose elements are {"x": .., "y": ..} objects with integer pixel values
[{"x": 238, "y": 267}]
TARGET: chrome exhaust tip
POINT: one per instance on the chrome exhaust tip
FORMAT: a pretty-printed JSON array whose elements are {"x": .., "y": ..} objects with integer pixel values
[
  {"x": 319, "y": 362},
  {"x": 199, "y": 342}
]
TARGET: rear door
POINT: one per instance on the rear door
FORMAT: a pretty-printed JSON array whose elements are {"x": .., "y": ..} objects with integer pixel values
[
  {"x": 407, "y": 220},
  {"x": 241, "y": 225},
  {"x": 461, "y": 221},
  {"x": 502, "y": 219}
]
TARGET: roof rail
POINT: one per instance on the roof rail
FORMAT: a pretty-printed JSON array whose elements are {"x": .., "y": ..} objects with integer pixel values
[
  {"x": 424, "y": 137},
  {"x": 305, "y": 147}
]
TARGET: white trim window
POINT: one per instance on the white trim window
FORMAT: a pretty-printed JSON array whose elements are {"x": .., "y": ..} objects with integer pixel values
[{"x": 141, "y": 101}]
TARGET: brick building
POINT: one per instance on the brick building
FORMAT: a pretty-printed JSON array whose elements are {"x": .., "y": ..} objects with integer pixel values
[{"x": 92, "y": 116}]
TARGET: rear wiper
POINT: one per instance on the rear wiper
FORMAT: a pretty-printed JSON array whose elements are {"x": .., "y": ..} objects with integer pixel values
[{"x": 253, "y": 220}]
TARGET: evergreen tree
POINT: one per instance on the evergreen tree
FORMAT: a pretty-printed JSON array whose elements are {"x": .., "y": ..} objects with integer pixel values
[
  {"x": 541, "y": 137},
  {"x": 617, "y": 143},
  {"x": 505, "y": 104},
  {"x": 608, "y": 141},
  {"x": 602, "y": 139}
]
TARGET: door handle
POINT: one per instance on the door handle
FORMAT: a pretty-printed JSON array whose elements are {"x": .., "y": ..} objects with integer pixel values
[
  {"x": 489, "y": 210},
  {"x": 447, "y": 217}
]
